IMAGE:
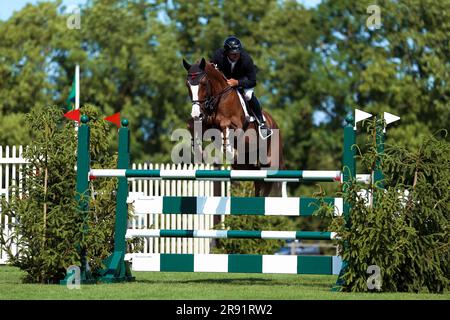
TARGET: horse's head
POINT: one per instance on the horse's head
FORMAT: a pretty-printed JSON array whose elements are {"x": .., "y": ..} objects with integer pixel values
[
  {"x": 204, "y": 83},
  {"x": 197, "y": 84}
]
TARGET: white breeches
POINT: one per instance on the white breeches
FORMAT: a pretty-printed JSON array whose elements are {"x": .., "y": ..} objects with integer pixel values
[{"x": 248, "y": 93}]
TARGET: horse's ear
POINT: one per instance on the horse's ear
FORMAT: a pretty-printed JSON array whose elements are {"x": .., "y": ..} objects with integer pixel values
[
  {"x": 202, "y": 64},
  {"x": 186, "y": 65}
]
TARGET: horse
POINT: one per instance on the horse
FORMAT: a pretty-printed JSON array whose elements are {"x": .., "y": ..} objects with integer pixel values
[{"x": 216, "y": 105}]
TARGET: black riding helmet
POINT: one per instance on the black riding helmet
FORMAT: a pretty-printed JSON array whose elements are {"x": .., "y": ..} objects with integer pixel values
[{"x": 232, "y": 45}]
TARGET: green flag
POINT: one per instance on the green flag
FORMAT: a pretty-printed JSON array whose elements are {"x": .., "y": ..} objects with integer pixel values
[{"x": 71, "y": 99}]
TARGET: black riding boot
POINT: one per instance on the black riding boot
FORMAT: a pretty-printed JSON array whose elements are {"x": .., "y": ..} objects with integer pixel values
[{"x": 256, "y": 107}]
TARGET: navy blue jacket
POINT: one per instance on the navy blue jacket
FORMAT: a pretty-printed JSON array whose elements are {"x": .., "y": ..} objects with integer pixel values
[{"x": 244, "y": 70}]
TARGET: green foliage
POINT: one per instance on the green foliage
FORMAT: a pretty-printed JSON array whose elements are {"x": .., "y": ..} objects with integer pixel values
[
  {"x": 45, "y": 222},
  {"x": 315, "y": 65},
  {"x": 249, "y": 246},
  {"x": 406, "y": 231},
  {"x": 398, "y": 67}
]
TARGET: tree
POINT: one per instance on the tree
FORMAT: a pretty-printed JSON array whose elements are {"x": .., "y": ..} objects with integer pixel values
[{"x": 397, "y": 68}]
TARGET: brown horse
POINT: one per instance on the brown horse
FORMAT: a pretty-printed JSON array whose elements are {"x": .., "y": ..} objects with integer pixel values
[{"x": 217, "y": 106}]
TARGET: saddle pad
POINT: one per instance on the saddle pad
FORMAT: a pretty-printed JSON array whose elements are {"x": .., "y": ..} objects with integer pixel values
[{"x": 244, "y": 107}]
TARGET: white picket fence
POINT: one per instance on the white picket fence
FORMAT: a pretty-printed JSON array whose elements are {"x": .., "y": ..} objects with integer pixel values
[
  {"x": 177, "y": 221},
  {"x": 11, "y": 161}
]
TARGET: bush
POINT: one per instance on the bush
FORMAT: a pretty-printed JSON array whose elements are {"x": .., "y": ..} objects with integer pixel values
[
  {"x": 406, "y": 232},
  {"x": 46, "y": 223}
]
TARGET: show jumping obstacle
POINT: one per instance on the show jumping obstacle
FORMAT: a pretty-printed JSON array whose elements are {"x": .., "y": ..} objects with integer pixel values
[{"x": 117, "y": 267}]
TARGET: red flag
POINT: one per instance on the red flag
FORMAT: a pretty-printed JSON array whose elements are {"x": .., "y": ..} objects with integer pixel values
[
  {"x": 73, "y": 115},
  {"x": 115, "y": 118}
]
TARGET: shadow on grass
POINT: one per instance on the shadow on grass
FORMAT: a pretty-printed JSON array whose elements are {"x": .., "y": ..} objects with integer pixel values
[{"x": 242, "y": 282}]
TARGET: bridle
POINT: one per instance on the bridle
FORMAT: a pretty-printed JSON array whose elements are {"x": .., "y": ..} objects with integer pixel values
[{"x": 210, "y": 102}]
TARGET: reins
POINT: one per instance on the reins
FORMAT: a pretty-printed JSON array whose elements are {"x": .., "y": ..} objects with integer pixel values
[{"x": 210, "y": 101}]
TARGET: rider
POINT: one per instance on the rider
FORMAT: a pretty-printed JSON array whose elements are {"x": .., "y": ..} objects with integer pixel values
[{"x": 237, "y": 65}]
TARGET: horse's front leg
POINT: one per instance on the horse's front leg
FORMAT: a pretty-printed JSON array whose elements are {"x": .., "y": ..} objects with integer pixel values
[
  {"x": 228, "y": 149},
  {"x": 196, "y": 140}
]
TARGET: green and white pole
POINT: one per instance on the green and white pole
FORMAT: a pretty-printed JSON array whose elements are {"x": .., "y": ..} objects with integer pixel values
[
  {"x": 232, "y": 234},
  {"x": 223, "y": 175}
]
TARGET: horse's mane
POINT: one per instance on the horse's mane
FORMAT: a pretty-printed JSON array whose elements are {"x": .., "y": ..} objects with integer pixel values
[{"x": 212, "y": 72}]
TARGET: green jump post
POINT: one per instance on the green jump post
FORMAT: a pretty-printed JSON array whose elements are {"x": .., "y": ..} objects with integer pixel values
[
  {"x": 82, "y": 197},
  {"x": 377, "y": 173},
  {"x": 349, "y": 175},
  {"x": 117, "y": 269},
  {"x": 378, "y": 177}
]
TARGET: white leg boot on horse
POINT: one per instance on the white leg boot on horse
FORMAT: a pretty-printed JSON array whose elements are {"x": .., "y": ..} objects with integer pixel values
[
  {"x": 196, "y": 130},
  {"x": 228, "y": 149}
]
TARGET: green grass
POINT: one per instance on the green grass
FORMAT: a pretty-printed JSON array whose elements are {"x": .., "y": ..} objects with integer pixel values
[{"x": 189, "y": 286}]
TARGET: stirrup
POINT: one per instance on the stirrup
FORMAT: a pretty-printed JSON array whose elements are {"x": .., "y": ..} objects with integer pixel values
[{"x": 264, "y": 133}]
